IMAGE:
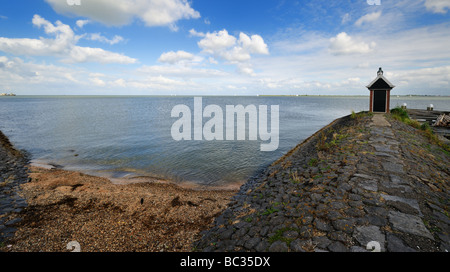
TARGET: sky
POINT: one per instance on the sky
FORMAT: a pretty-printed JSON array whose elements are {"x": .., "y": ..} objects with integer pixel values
[{"x": 229, "y": 47}]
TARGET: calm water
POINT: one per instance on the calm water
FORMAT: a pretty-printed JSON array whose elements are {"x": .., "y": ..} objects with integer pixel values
[{"x": 123, "y": 136}]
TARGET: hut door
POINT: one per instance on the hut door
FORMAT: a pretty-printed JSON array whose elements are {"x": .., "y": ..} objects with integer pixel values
[{"x": 379, "y": 101}]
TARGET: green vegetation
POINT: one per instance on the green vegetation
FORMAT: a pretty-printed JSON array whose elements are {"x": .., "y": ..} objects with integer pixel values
[
  {"x": 279, "y": 236},
  {"x": 323, "y": 145},
  {"x": 360, "y": 115},
  {"x": 313, "y": 162},
  {"x": 402, "y": 115},
  {"x": 270, "y": 211},
  {"x": 425, "y": 126},
  {"x": 248, "y": 219},
  {"x": 295, "y": 179}
]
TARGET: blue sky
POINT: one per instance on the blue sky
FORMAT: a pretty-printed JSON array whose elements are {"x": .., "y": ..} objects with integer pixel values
[{"x": 201, "y": 47}]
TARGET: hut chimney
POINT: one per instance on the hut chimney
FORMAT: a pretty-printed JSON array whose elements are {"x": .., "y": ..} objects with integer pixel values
[{"x": 380, "y": 72}]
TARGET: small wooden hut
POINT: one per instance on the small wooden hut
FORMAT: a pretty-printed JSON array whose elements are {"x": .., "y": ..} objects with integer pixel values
[{"x": 380, "y": 93}]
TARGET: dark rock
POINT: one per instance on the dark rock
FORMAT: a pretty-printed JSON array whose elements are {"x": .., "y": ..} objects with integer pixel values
[
  {"x": 321, "y": 225},
  {"x": 395, "y": 244},
  {"x": 251, "y": 243},
  {"x": 337, "y": 247},
  {"x": 297, "y": 245},
  {"x": 290, "y": 234},
  {"x": 322, "y": 241},
  {"x": 409, "y": 223},
  {"x": 278, "y": 246},
  {"x": 344, "y": 225},
  {"x": 366, "y": 234},
  {"x": 262, "y": 246},
  {"x": 226, "y": 234}
]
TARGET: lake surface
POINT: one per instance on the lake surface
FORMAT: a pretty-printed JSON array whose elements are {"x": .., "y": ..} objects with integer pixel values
[{"x": 124, "y": 136}]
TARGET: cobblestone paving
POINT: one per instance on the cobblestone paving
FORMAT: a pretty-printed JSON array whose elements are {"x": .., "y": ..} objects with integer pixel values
[{"x": 359, "y": 184}]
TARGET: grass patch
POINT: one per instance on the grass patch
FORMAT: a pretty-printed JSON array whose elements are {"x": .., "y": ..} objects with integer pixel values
[
  {"x": 402, "y": 115},
  {"x": 278, "y": 236},
  {"x": 399, "y": 114},
  {"x": 323, "y": 145},
  {"x": 270, "y": 211},
  {"x": 360, "y": 115},
  {"x": 313, "y": 162},
  {"x": 295, "y": 179}
]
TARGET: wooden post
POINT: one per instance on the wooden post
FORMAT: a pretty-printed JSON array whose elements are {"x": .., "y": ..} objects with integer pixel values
[
  {"x": 371, "y": 101},
  {"x": 388, "y": 100}
]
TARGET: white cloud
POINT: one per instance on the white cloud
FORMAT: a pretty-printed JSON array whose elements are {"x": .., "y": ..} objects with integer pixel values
[
  {"x": 245, "y": 69},
  {"x": 437, "y": 6},
  {"x": 346, "y": 18},
  {"x": 227, "y": 47},
  {"x": 22, "y": 75},
  {"x": 221, "y": 45},
  {"x": 343, "y": 44},
  {"x": 194, "y": 33},
  {"x": 119, "y": 82},
  {"x": 304, "y": 43},
  {"x": 151, "y": 12},
  {"x": 368, "y": 18},
  {"x": 212, "y": 60},
  {"x": 254, "y": 45},
  {"x": 4, "y": 63},
  {"x": 64, "y": 39},
  {"x": 181, "y": 71},
  {"x": 439, "y": 76},
  {"x": 217, "y": 42},
  {"x": 418, "y": 65},
  {"x": 100, "y": 38},
  {"x": 62, "y": 46},
  {"x": 89, "y": 54},
  {"x": 82, "y": 23},
  {"x": 97, "y": 82},
  {"x": 175, "y": 57}
]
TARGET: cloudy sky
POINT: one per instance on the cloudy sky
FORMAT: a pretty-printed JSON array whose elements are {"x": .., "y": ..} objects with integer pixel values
[{"x": 204, "y": 47}]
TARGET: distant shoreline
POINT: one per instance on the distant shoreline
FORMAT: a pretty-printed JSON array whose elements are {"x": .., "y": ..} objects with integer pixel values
[{"x": 209, "y": 95}]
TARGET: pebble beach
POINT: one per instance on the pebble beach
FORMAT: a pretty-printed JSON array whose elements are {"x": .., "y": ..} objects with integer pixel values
[{"x": 43, "y": 210}]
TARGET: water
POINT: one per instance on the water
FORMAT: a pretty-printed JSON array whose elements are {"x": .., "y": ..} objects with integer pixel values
[{"x": 123, "y": 136}]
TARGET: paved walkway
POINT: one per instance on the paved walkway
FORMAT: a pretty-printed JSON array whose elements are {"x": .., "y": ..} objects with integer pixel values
[{"x": 375, "y": 183}]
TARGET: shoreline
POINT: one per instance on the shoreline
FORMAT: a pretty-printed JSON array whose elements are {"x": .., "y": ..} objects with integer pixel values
[
  {"x": 131, "y": 177},
  {"x": 65, "y": 206},
  {"x": 42, "y": 209}
]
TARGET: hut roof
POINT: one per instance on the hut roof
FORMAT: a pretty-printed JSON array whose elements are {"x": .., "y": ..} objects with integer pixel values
[{"x": 380, "y": 82}]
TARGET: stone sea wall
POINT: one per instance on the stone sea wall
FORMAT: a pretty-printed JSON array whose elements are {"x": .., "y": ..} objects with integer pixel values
[
  {"x": 367, "y": 182},
  {"x": 13, "y": 173}
]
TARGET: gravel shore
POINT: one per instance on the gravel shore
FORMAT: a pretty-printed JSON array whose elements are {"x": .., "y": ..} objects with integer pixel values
[{"x": 58, "y": 207}]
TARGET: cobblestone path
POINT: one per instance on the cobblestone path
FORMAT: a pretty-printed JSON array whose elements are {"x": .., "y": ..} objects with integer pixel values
[{"x": 360, "y": 184}]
